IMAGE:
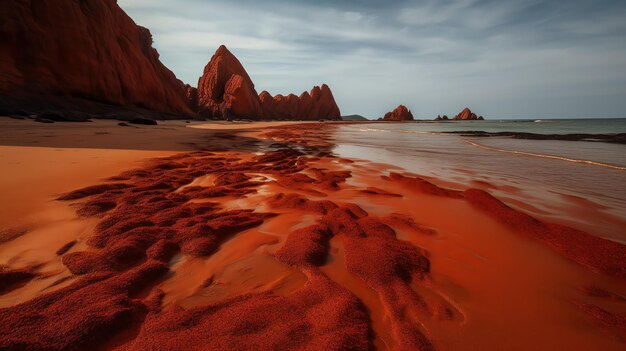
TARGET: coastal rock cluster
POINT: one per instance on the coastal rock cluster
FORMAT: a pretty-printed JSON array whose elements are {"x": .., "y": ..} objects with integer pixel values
[
  {"x": 60, "y": 52},
  {"x": 101, "y": 63},
  {"x": 465, "y": 115},
  {"x": 319, "y": 103},
  {"x": 401, "y": 113},
  {"x": 225, "y": 90}
]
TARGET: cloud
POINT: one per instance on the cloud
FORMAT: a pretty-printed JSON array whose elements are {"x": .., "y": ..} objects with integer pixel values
[{"x": 516, "y": 58}]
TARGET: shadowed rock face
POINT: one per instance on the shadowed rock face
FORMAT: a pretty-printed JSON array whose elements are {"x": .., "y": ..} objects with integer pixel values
[
  {"x": 192, "y": 97},
  {"x": 225, "y": 90},
  {"x": 467, "y": 115},
  {"x": 401, "y": 113},
  {"x": 88, "y": 50}
]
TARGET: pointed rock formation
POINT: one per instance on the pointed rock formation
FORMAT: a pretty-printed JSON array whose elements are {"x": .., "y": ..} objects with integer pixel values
[
  {"x": 328, "y": 106},
  {"x": 225, "y": 89},
  {"x": 467, "y": 115},
  {"x": 86, "y": 53},
  {"x": 401, "y": 113}
]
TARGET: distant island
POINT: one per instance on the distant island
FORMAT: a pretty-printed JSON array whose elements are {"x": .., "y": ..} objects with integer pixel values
[
  {"x": 354, "y": 118},
  {"x": 465, "y": 115}
]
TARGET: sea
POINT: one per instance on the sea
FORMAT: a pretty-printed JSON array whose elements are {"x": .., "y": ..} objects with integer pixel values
[{"x": 582, "y": 183}]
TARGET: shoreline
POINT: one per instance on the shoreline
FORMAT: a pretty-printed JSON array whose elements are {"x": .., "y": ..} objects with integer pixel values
[{"x": 458, "y": 274}]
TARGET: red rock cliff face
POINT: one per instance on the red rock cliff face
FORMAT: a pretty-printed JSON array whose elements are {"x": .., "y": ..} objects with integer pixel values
[
  {"x": 225, "y": 87},
  {"x": 318, "y": 104},
  {"x": 225, "y": 90},
  {"x": 401, "y": 113},
  {"x": 87, "y": 49}
]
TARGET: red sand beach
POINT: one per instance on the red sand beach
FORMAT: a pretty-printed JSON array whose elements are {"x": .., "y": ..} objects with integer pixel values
[
  {"x": 128, "y": 223},
  {"x": 265, "y": 239}
]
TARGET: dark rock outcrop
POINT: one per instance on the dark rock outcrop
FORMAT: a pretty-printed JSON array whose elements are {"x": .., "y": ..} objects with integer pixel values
[
  {"x": 64, "y": 116},
  {"x": 617, "y": 138},
  {"x": 144, "y": 121},
  {"x": 87, "y": 55},
  {"x": 43, "y": 120},
  {"x": 225, "y": 90},
  {"x": 192, "y": 97},
  {"x": 401, "y": 113},
  {"x": 442, "y": 118}
]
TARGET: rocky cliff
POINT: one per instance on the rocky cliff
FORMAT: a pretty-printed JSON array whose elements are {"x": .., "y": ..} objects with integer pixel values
[
  {"x": 225, "y": 90},
  {"x": 225, "y": 87},
  {"x": 317, "y": 104},
  {"x": 56, "y": 53}
]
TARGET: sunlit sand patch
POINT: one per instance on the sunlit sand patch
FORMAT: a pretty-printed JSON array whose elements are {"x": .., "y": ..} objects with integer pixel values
[
  {"x": 252, "y": 274},
  {"x": 241, "y": 266},
  {"x": 38, "y": 248},
  {"x": 204, "y": 181},
  {"x": 336, "y": 270}
]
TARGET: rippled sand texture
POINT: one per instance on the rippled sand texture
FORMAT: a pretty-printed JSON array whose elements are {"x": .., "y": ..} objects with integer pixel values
[{"x": 295, "y": 248}]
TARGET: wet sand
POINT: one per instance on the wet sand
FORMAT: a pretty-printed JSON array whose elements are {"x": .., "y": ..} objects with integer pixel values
[
  {"x": 177, "y": 237},
  {"x": 238, "y": 125}
]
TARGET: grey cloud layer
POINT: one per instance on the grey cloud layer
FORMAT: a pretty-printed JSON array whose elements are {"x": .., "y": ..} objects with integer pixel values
[{"x": 502, "y": 58}]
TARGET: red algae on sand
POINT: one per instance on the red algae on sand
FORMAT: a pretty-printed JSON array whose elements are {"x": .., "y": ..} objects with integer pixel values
[
  {"x": 150, "y": 219},
  {"x": 612, "y": 321},
  {"x": 373, "y": 253},
  {"x": 362, "y": 283},
  {"x": 421, "y": 185},
  {"x": 306, "y": 247},
  {"x": 321, "y": 316},
  {"x": 79, "y": 316},
  {"x": 599, "y": 254}
]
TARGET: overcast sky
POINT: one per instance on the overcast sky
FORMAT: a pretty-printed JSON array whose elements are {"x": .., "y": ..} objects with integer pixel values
[{"x": 503, "y": 59}]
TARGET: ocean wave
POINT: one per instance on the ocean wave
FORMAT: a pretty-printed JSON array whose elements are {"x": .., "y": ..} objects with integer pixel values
[
  {"x": 397, "y": 131},
  {"x": 552, "y": 157},
  {"x": 372, "y": 130}
]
